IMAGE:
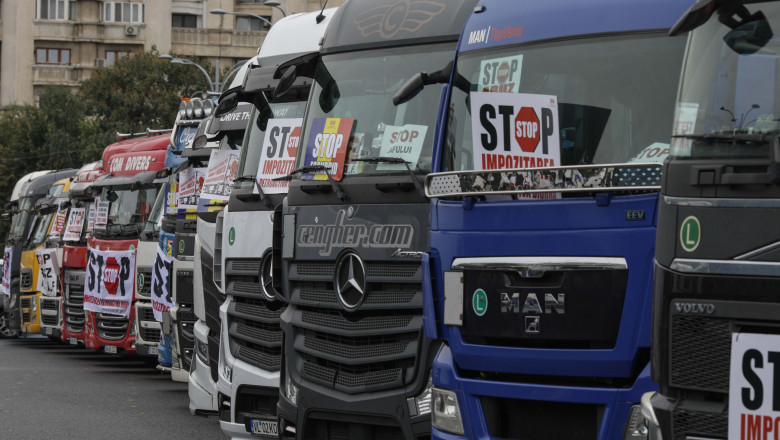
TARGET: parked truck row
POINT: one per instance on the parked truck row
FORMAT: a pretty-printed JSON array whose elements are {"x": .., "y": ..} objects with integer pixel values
[{"x": 430, "y": 219}]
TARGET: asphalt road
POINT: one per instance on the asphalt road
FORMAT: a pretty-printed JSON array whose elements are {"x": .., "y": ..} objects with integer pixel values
[{"x": 55, "y": 391}]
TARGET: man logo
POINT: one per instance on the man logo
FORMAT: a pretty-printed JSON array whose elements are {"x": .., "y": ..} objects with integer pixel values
[
  {"x": 403, "y": 15},
  {"x": 350, "y": 281}
]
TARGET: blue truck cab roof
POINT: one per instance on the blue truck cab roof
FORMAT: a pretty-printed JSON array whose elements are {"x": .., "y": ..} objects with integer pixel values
[{"x": 503, "y": 22}]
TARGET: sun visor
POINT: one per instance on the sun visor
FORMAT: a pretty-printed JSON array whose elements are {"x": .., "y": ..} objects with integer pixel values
[
  {"x": 142, "y": 178},
  {"x": 235, "y": 120}
]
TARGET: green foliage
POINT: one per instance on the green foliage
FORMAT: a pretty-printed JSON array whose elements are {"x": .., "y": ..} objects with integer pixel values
[{"x": 70, "y": 129}]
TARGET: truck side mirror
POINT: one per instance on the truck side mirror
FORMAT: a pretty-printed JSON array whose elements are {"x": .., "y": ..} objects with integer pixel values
[
  {"x": 285, "y": 82},
  {"x": 226, "y": 105}
]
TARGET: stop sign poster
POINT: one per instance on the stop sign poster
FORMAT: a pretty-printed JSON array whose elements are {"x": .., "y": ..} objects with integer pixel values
[
  {"x": 162, "y": 299},
  {"x": 515, "y": 130},
  {"x": 404, "y": 142},
  {"x": 8, "y": 253},
  {"x": 277, "y": 155},
  {"x": 75, "y": 225},
  {"x": 58, "y": 228},
  {"x": 222, "y": 170},
  {"x": 500, "y": 75},
  {"x": 48, "y": 271},
  {"x": 327, "y": 146},
  {"x": 109, "y": 282}
]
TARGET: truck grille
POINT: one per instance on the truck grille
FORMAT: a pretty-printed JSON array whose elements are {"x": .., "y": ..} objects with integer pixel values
[
  {"x": 25, "y": 280},
  {"x": 149, "y": 330},
  {"x": 688, "y": 423},
  {"x": 26, "y": 302},
  {"x": 49, "y": 304},
  {"x": 145, "y": 291},
  {"x": 150, "y": 334},
  {"x": 184, "y": 287},
  {"x": 111, "y": 327},
  {"x": 49, "y": 320},
  {"x": 700, "y": 352},
  {"x": 373, "y": 349},
  {"x": 50, "y": 311},
  {"x": 74, "y": 300},
  {"x": 540, "y": 420},
  {"x": 212, "y": 300},
  {"x": 185, "y": 317},
  {"x": 25, "y": 317},
  {"x": 217, "y": 261},
  {"x": 254, "y": 331}
]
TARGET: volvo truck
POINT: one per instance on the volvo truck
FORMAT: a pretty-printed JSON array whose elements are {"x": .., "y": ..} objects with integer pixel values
[
  {"x": 717, "y": 271},
  {"x": 543, "y": 218},
  {"x": 241, "y": 330},
  {"x": 117, "y": 287},
  {"x": 351, "y": 235}
]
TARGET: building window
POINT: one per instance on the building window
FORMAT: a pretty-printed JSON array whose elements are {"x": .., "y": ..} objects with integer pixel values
[
  {"x": 185, "y": 21},
  {"x": 122, "y": 12},
  {"x": 55, "y": 10},
  {"x": 52, "y": 56},
  {"x": 251, "y": 23},
  {"x": 113, "y": 55}
]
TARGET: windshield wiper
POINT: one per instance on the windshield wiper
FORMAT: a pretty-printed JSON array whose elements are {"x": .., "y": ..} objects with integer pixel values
[
  {"x": 729, "y": 137},
  {"x": 246, "y": 197},
  {"x": 315, "y": 169},
  {"x": 397, "y": 160}
]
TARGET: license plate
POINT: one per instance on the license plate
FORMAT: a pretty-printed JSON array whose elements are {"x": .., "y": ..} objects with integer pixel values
[
  {"x": 47, "y": 331},
  {"x": 264, "y": 428},
  {"x": 73, "y": 341},
  {"x": 153, "y": 350},
  {"x": 109, "y": 349}
]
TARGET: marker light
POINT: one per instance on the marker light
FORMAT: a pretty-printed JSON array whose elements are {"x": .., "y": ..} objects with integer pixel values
[{"x": 446, "y": 412}]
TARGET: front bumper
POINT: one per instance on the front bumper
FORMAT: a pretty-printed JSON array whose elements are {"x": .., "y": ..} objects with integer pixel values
[
  {"x": 31, "y": 316},
  {"x": 50, "y": 308},
  {"x": 202, "y": 389},
  {"x": 613, "y": 405}
]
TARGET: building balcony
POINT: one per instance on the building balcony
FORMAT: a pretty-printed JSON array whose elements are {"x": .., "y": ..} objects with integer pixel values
[
  {"x": 216, "y": 42},
  {"x": 54, "y": 30},
  {"x": 45, "y": 74}
]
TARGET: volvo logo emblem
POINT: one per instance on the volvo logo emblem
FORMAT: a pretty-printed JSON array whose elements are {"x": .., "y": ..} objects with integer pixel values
[{"x": 350, "y": 280}]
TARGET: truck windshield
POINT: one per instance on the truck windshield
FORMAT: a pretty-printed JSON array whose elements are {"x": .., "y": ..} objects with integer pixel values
[
  {"x": 40, "y": 229},
  {"x": 151, "y": 224},
  {"x": 357, "y": 89},
  {"x": 730, "y": 89},
  {"x": 132, "y": 207},
  {"x": 604, "y": 117},
  {"x": 291, "y": 105},
  {"x": 21, "y": 218}
]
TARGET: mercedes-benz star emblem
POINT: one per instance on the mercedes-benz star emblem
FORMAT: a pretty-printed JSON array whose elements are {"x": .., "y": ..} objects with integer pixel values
[{"x": 350, "y": 281}]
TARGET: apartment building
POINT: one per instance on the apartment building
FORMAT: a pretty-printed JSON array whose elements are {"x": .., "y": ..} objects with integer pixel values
[{"x": 45, "y": 42}]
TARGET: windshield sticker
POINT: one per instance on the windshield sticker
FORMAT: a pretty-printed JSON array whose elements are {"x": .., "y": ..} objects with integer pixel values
[
  {"x": 501, "y": 75},
  {"x": 101, "y": 216},
  {"x": 190, "y": 184},
  {"x": 684, "y": 123},
  {"x": 494, "y": 34},
  {"x": 277, "y": 154},
  {"x": 48, "y": 271},
  {"x": 357, "y": 149},
  {"x": 91, "y": 216},
  {"x": 5, "y": 287},
  {"x": 75, "y": 225},
  {"x": 171, "y": 199},
  {"x": 58, "y": 227},
  {"x": 109, "y": 281},
  {"x": 655, "y": 153},
  {"x": 327, "y": 147},
  {"x": 402, "y": 142},
  {"x": 222, "y": 169}
]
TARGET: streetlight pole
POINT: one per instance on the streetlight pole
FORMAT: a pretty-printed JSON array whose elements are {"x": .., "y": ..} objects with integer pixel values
[
  {"x": 275, "y": 4},
  {"x": 214, "y": 85}
]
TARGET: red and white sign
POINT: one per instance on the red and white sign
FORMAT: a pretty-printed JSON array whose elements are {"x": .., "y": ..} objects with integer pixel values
[
  {"x": 684, "y": 123},
  {"x": 190, "y": 184},
  {"x": 91, "y": 217},
  {"x": 101, "y": 214},
  {"x": 754, "y": 396},
  {"x": 8, "y": 255},
  {"x": 48, "y": 272},
  {"x": 501, "y": 75},
  {"x": 75, "y": 225},
  {"x": 515, "y": 130},
  {"x": 403, "y": 142},
  {"x": 222, "y": 170},
  {"x": 277, "y": 156},
  {"x": 109, "y": 282},
  {"x": 58, "y": 228}
]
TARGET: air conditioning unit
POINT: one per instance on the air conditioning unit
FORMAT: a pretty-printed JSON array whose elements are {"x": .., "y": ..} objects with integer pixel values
[
  {"x": 131, "y": 31},
  {"x": 100, "y": 62}
]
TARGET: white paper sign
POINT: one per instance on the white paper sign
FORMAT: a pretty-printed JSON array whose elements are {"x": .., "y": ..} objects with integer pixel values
[
  {"x": 654, "y": 153},
  {"x": 403, "y": 142},
  {"x": 684, "y": 123},
  {"x": 501, "y": 75},
  {"x": 8, "y": 255},
  {"x": 277, "y": 156},
  {"x": 190, "y": 183},
  {"x": 754, "y": 396},
  {"x": 58, "y": 227},
  {"x": 222, "y": 170},
  {"x": 109, "y": 282},
  {"x": 515, "y": 130},
  {"x": 91, "y": 217},
  {"x": 75, "y": 225},
  {"x": 101, "y": 216},
  {"x": 48, "y": 272},
  {"x": 162, "y": 292}
]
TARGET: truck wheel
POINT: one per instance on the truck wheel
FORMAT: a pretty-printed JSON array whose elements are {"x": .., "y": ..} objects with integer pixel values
[{"x": 5, "y": 331}]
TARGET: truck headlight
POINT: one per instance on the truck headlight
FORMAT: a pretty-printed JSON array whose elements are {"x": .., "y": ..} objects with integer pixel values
[
  {"x": 446, "y": 411},
  {"x": 636, "y": 426},
  {"x": 290, "y": 390},
  {"x": 132, "y": 327},
  {"x": 202, "y": 350},
  {"x": 421, "y": 404},
  {"x": 227, "y": 369}
]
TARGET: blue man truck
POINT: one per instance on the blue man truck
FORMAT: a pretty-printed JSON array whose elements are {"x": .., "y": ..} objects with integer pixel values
[
  {"x": 543, "y": 216},
  {"x": 717, "y": 272}
]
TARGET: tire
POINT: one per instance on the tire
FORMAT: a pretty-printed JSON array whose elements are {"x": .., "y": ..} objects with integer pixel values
[{"x": 5, "y": 332}]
